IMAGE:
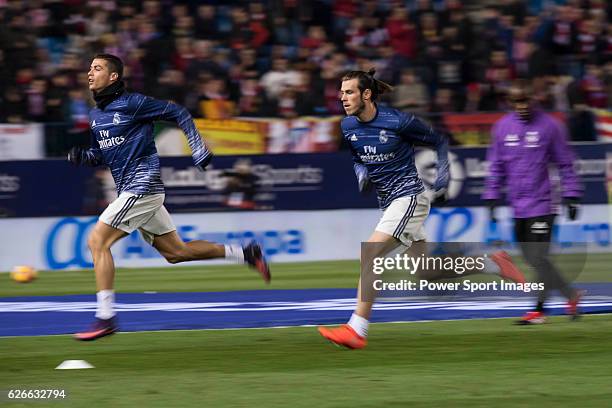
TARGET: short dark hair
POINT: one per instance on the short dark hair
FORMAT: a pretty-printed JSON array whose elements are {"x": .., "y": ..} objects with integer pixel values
[
  {"x": 366, "y": 80},
  {"x": 114, "y": 63}
]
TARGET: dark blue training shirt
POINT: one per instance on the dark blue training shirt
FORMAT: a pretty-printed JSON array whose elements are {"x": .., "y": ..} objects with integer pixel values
[
  {"x": 385, "y": 146},
  {"x": 122, "y": 138}
]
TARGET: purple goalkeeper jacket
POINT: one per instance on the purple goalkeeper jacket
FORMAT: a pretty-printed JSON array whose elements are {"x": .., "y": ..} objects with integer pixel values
[{"x": 519, "y": 159}]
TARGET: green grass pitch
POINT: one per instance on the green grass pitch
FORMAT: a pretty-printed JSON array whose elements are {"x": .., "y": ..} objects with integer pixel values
[{"x": 472, "y": 363}]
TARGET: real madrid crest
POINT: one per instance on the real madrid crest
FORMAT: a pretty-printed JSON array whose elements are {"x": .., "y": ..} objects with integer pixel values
[{"x": 382, "y": 136}]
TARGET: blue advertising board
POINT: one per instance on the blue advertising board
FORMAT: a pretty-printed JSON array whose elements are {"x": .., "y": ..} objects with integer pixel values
[{"x": 262, "y": 182}]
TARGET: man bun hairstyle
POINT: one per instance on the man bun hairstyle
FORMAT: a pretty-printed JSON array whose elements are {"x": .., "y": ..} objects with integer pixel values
[
  {"x": 114, "y": 63},
  {"x": 366, "y": 80}
]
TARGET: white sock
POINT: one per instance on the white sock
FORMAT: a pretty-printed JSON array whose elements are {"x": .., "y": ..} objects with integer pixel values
[
  {"x": 106, "y": 301},
  {"x": 234, "y": 253},
  {"x": 491, "y": 266},
  {"x": 359, "y": 324}
]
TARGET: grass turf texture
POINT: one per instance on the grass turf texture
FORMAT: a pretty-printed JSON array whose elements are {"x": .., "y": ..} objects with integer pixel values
[
  {"x": 212, "y": 278},
  {"x": 461, "y": 363},
  {"x": 475, "y": 363}
]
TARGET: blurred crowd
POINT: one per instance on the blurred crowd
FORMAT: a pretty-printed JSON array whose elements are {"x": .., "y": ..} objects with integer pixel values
[{"x": 284, "y": 57}]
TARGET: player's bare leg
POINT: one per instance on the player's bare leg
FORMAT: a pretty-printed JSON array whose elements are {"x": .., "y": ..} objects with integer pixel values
[
  {"x": 100, "y": 241},
  {"x": 364, "y": 306},
  {"x": 175, "y": 250},
  {"x": 354, "y": 333}
]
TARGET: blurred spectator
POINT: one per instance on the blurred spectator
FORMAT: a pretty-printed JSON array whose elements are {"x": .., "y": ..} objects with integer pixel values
[
  {"x": 78, "y": 110},
  {"x": 588, "y": 36},
  {"x": 57, "y": 97},
  {"x": 517, "y": 9},
  {"x": 542, "y": 92},
  {"x": 15, "y": 106},
  {"x": 445, "y": 101},
  {"x": 314, "y": 38},
  {"x": 411, "y": 94},
  {"x": 206, "y": 22},
  {"x": 284, "y": 58},
  {"x": 343, "y": 12},
  {"x": 133, "y": 71},
  {"x": 258, "y": 25},
  {"x": 607, "y": 79},
  {"x": 37, "y": 96},
  {"x": 355, "y": 36},
  {"x": 171, "y": 86},
  {"x": 402, "y": 34},
  {"x": 563, "y": 32},
  {"x": 280, "y": 76},
  {"x": 183, "y": 55},
  {"x": 500, "y": 74},
  {"x": 213, "y": 100},
  {"x": 522, "y": 47},
  {"x": 594, "y": 87},
  {"x": 473, "y": 98},
  {"x": 202, "y": 62},
  {"x": 252, "y": 100}
]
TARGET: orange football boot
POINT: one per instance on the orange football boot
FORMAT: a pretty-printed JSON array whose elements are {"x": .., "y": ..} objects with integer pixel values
[
  {"x": 508, "y": 269},
  {"x": 344, "y": 336}
]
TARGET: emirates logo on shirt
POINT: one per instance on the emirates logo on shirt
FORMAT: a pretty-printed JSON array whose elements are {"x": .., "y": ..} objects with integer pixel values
[{"x": 107, "y": 141}]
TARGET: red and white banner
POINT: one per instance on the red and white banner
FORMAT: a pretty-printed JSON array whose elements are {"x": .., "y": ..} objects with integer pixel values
[
  {"x": 22, "y": 142},
  {"x": 603, "y": 124}
]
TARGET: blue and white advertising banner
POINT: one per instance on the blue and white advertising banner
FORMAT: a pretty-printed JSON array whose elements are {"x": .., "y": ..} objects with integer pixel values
[{"x": 288, "y": 236}]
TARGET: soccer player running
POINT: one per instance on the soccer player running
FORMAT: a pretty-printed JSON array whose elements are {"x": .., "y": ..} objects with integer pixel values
[
  {"x": 122, "y": 138},
  {"x": 523, "y": 145},
  {"x": 382, "y": 141}
]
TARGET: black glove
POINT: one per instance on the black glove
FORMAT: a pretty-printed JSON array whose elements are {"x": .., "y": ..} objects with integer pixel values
[
  {"x": 204, "y": 163},
  {"x": 76, "y": 155},
  {"x": 491, "y": 204},
  {"x": 85, "y": 157},
  {"x": 573, "y": 205}
]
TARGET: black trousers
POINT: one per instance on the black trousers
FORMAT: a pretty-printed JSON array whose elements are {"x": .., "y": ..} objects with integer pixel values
[{"x": 534, "y": 235}]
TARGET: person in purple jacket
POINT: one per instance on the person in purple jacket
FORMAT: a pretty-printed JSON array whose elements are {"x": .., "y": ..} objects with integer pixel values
[{"x": 524, "y": 143}]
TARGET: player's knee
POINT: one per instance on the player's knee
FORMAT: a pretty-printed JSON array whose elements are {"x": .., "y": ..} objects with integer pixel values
[{"x": 95, "y": 242}]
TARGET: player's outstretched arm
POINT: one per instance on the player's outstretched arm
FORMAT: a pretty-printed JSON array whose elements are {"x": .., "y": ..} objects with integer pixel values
[
  {"x": 416, "y": 130},
  {"x": 147, "y": 108},
  {"x": 563, "y": 156},
  {"x": 497, "y": 174}
]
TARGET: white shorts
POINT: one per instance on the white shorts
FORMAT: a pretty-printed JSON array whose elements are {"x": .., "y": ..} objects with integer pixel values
[
  {"x": 131, "y": 212},
  {"x": 404, "y": 218}
]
